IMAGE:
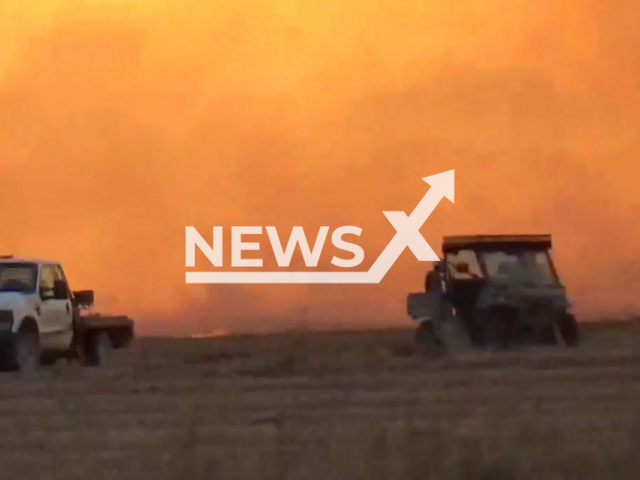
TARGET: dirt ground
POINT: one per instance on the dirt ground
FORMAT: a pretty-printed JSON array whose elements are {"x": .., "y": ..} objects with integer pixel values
[{"x": 340, "y": 405}]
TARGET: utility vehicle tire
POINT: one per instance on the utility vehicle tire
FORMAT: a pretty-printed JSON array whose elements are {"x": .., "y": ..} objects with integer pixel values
[
  {"x": 25, "y": 350},
  {"x": 426, "y": 340},
  {"x": 99, "y": 349},
  {"x": 48, "y": 360},
  {"x": 569, "y": 330},
  {"x": 547, "y": 336},
  {"x": 496, "y": 331}
]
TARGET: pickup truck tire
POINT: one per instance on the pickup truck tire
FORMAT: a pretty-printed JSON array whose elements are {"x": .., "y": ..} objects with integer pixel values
[
  {"x": 25, "y": 351},
  {"x": 99, "y": 349}
]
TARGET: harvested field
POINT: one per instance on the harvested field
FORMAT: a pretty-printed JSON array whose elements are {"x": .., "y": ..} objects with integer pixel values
[{"x": 342, "y": 405}]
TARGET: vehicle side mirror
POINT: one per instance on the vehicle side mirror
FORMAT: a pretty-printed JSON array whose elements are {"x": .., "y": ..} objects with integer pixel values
[
  {"x": 84, "y": 298},
  {"x": 60, "y": 290},
  {"x": 462, "y": 267}
]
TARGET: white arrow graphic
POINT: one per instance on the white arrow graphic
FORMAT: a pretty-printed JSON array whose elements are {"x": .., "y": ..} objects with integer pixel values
[{"x": 407, "y": 235}]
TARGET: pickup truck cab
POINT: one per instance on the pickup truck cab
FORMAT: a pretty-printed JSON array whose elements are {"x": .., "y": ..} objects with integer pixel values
[{"x": 41, "y": 320}]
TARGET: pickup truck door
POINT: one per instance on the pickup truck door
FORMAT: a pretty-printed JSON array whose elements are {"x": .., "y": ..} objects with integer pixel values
[{"x": 56, "y": 314}]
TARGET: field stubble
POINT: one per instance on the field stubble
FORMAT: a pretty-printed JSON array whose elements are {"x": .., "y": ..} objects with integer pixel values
[{"x": 338, "y": 405}]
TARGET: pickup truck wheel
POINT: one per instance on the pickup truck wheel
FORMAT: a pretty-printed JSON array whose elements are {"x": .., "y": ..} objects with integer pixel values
[
  {"x": 100, "y": 348},
  {"x": 26, "y": 351},
  {"x": 78, "y": 350}
]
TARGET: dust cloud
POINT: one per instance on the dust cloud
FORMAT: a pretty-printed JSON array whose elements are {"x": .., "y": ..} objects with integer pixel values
[{"x": 123, "y": 122}]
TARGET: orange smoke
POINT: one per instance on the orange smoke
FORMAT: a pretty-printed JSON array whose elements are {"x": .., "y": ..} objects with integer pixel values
[{"x": 121, "y": 123}]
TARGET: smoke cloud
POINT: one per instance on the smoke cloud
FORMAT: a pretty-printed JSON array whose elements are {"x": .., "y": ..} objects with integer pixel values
[{"x": 123, "y": 122}]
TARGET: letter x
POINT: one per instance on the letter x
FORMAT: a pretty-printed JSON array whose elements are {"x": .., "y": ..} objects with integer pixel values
[{"x": 409, "y": 231}]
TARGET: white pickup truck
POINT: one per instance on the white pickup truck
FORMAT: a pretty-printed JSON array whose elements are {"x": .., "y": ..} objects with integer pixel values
[{"x": 41, "y": 318}]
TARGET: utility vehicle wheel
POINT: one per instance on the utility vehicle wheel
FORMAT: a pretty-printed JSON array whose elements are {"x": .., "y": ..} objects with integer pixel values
[
  {"x": 26, "y": 350},
  {"x": 496, "y": 332},
  {"x": 426, "y": 340},
  {"x": 48, "y": 360},
  {"x": 547, "y": 336},
  {"x": 99, "y": 349},
  {"x": 568, "y": 327}
]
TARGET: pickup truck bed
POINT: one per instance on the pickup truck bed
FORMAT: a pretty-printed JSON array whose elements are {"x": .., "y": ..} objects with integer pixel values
[{"x": 118, "y": 327}]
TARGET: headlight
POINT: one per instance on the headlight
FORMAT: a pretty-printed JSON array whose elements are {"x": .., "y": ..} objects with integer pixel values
[{"x": 6, "y": 320}]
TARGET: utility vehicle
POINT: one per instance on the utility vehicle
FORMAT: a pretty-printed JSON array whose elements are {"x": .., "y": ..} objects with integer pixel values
[{"x": 503, "y": 290}]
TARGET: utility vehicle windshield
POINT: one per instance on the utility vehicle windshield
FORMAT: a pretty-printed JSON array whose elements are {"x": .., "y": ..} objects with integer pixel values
[
  {"x": 18, "y": 277},
  {"x": 516, "y": 264},
  {"x": 520, "y": 265},
  {"x": 465, "y": 257}
]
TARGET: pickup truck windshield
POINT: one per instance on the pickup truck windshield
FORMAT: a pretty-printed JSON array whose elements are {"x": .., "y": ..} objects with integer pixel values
[{"x": 18, "y": 277}]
